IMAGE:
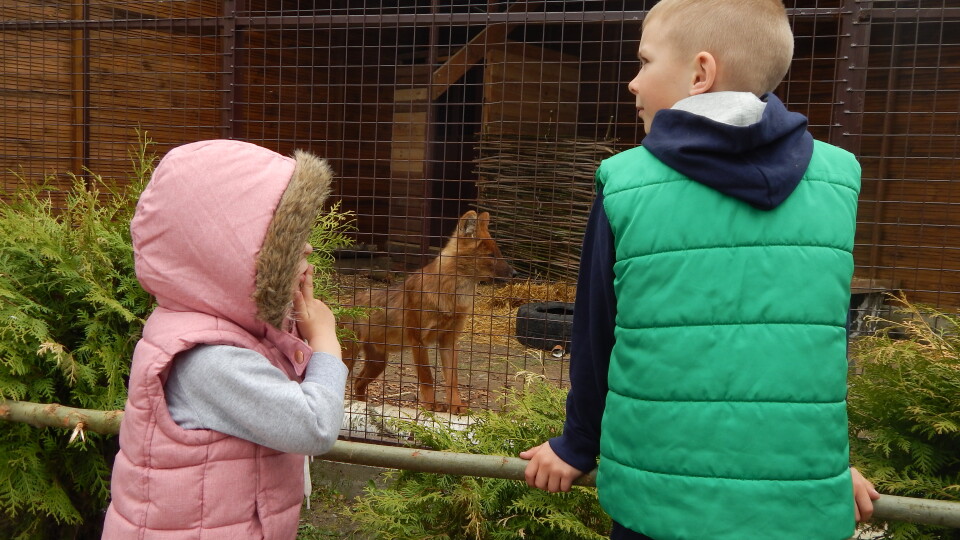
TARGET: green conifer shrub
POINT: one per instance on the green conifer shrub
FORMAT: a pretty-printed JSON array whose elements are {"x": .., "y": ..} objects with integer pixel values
[
  {"x": 418, "y": 505},
  {"x": 904, "y": 410},
  {"x": 70, "y": 312}
]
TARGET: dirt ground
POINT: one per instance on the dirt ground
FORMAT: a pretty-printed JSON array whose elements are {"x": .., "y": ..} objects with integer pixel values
[{"x": 327, "y": 517}]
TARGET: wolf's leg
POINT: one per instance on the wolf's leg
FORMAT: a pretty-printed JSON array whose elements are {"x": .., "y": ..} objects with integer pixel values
[
  {"x": 425, "y": 378},
  {"x": 448, "y": 359},
  {"x": 350, "y": 351},
  {"x": 375, "y": 363}
]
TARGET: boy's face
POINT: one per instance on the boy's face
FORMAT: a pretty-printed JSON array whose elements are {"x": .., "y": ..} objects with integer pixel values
[{"x": 664, "y": 78}]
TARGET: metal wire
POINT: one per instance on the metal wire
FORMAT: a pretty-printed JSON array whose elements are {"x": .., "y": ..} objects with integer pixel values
[{"x": 429, "y": 108}]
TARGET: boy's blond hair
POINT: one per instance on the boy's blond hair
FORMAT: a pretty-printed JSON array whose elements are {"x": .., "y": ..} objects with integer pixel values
[{"x": 751, "y": 39}]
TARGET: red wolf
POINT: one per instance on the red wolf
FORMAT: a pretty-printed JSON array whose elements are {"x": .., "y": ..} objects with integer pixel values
[{"x": 430, "y": 308}]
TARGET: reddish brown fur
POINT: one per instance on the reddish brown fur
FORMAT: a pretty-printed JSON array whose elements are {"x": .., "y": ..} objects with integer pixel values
[{"x": 430, "y": 308}]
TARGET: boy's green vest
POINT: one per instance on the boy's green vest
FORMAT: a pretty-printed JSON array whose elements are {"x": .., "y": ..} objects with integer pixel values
[{"x": 726, "y": 412}]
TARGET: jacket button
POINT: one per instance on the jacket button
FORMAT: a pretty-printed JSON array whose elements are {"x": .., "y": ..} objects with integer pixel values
[{"x": 298, "y": 356}]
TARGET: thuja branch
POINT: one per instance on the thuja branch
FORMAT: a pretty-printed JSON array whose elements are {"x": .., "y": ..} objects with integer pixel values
[{"x": 53, "y": 415}]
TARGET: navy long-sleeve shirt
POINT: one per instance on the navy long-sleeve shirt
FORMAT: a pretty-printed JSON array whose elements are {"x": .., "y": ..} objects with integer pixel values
[{"x": 590, "y": 345}]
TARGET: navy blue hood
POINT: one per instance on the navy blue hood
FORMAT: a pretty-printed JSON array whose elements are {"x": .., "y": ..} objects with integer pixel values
[{"x": 760, "y": 164}]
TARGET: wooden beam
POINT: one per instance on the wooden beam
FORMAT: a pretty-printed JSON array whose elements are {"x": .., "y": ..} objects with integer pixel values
[
  {"x": 412, "y": 95},
  {"x": 474, "y": 51},
  {"x": 78, "y": 90},
  {"x": 457, "y": 65}
]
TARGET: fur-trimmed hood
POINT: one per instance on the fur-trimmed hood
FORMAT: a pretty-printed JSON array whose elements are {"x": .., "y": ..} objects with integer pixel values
[{"x": 220, "y": 228}]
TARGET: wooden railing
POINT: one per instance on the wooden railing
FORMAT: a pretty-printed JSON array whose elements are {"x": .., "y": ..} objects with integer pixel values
[{"x": 887, "y": 508}]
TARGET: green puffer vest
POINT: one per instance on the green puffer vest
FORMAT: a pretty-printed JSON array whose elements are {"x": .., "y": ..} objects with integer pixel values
[{"x": 726, "y": 411}]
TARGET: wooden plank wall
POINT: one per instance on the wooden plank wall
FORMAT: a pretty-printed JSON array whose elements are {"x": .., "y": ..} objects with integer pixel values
[
  {"x": 910, "y": 204},
  {"x": 810, "y": 85},
  {"x": 530, "y": 90},
  {"x": 282, "y": 100},
  {"x": 367, "y": 78},
  {"x": 35, "y": 105},
  {"x": 166, "y": 84},
  {"x": 37, "y": 131},
  {"x": 73, "y": 99},
  {"x": 166, "y": 81},
  {"x": 137, "y": 9},
  {"x": 409, "y": 186},
  {"x": 306, "y": 89},
  {"x": 606, "y": 108}
]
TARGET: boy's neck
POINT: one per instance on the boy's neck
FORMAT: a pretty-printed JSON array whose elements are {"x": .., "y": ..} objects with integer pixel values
[{"x": 732, "y": 108}]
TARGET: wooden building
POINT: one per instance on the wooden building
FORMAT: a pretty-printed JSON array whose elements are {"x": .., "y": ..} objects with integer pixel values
[{"x": 397, "y": 94}]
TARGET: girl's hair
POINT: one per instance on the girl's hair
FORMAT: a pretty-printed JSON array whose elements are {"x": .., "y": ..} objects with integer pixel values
[{"x": 751, "y": 39}]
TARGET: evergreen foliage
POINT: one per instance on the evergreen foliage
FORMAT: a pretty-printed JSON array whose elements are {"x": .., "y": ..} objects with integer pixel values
[
  {"x": 71, "y": 311},
  {"x": 904, "y": 409},
  {"x": 423, "y": 505},
  {"x": 330, "y": 234}
]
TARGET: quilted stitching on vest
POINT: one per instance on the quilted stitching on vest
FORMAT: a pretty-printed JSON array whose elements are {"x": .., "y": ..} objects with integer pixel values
[{"x": 726, "y": 413}]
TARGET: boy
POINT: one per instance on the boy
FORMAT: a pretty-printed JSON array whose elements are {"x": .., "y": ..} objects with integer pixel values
[
  {"x": 712, "y": 300},
  {"x": 238, "y": 373}
]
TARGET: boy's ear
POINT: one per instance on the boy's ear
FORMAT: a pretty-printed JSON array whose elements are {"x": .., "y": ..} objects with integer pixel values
[{"x": 704, "y": 73}]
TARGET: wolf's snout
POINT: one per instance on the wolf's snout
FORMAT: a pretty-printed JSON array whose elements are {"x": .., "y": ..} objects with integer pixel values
[{"x": 504, "y": 272}]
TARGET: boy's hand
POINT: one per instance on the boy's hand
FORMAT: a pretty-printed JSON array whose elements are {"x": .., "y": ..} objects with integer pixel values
[
  {"x": 863, "y": 496},
  {"x": 315, "y": 321},
  {"x": 547, "y": 471}
]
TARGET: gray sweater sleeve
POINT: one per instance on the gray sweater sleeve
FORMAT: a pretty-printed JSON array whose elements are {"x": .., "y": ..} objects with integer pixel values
[{"x": 239, "y": 392}]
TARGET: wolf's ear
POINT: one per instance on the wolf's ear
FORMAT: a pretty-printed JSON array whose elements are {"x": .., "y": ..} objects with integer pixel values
[
  {"x": 483, "y": 222},
  {"x": 467, "y": 226}
]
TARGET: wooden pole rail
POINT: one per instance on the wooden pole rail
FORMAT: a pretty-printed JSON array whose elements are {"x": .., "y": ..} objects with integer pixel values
[{"x": 888, "y": 508}]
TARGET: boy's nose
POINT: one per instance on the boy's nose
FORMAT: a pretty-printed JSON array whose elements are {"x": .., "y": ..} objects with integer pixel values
[{"x": 632, "y": 85}]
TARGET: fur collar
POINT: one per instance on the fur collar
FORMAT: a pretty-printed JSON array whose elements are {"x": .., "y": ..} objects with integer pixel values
[{"x": 290, "y": 228}]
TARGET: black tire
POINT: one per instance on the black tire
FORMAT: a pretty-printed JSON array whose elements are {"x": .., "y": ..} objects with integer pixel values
[{"x": 544, "y": 325}]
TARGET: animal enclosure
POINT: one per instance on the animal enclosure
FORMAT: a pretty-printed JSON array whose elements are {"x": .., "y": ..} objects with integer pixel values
[{"x": 429, "y": 108}]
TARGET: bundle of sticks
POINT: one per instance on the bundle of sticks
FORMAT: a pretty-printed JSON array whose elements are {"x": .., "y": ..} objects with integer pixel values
[{"x": 538, "y": 193}]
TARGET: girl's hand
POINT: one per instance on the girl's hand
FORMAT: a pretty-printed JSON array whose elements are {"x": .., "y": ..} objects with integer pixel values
[{"x": 315, "y": 321}]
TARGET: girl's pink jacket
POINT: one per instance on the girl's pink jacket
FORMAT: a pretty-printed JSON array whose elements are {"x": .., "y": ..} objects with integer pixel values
[{"x": 217, "y": 235}]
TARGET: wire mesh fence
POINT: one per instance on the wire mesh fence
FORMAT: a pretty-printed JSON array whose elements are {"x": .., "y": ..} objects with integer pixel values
[{"x": 429, "y": 109}]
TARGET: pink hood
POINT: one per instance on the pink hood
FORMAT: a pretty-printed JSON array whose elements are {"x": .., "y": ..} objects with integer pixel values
[
  {"x": 201, "y": 227},
  {"x": 218, "y": 235}
]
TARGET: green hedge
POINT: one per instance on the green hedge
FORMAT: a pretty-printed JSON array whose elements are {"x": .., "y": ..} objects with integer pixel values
[
  {"x": 71, "y": 312},
  {"x": 904, "y": 407},
  {"x": 422, "y": 505}
]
